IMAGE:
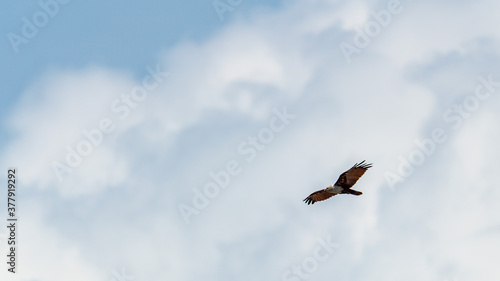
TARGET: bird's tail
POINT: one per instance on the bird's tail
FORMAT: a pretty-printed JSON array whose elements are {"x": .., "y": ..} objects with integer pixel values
[{"x": 354, "y": 192}]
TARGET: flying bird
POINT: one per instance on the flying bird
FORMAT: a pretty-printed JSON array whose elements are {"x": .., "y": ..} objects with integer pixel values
[{"x": 343, "y": 184}]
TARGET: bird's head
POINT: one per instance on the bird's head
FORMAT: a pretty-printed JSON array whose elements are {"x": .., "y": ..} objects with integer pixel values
[{"x": 329, "y": 187}]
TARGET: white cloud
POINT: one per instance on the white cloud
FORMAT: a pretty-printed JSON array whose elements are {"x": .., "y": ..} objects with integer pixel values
[
  {"x": 44, "y": 253},
  {"x": 52, "y": 115}
]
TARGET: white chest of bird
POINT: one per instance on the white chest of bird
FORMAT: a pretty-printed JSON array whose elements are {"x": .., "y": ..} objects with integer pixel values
[{"x": 335, "y": 189}]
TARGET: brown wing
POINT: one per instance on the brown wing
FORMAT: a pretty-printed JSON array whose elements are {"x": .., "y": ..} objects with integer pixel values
[
  {"x": 351, "y": 176},
  {"x": 319, "y": 195}
]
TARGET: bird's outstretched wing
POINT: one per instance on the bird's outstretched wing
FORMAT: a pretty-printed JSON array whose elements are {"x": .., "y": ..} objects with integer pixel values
[
  {"x": 351, "y": 176},
  {"x": 319, "y": 195}
]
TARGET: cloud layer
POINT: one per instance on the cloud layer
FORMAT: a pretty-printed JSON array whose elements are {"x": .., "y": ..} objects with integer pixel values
[{"x": 119, "y": 208}]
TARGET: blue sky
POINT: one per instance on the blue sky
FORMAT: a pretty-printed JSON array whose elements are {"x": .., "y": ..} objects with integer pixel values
[
  {"x": 93, "y": 32},
  {"x": 156, "y": 141}
]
